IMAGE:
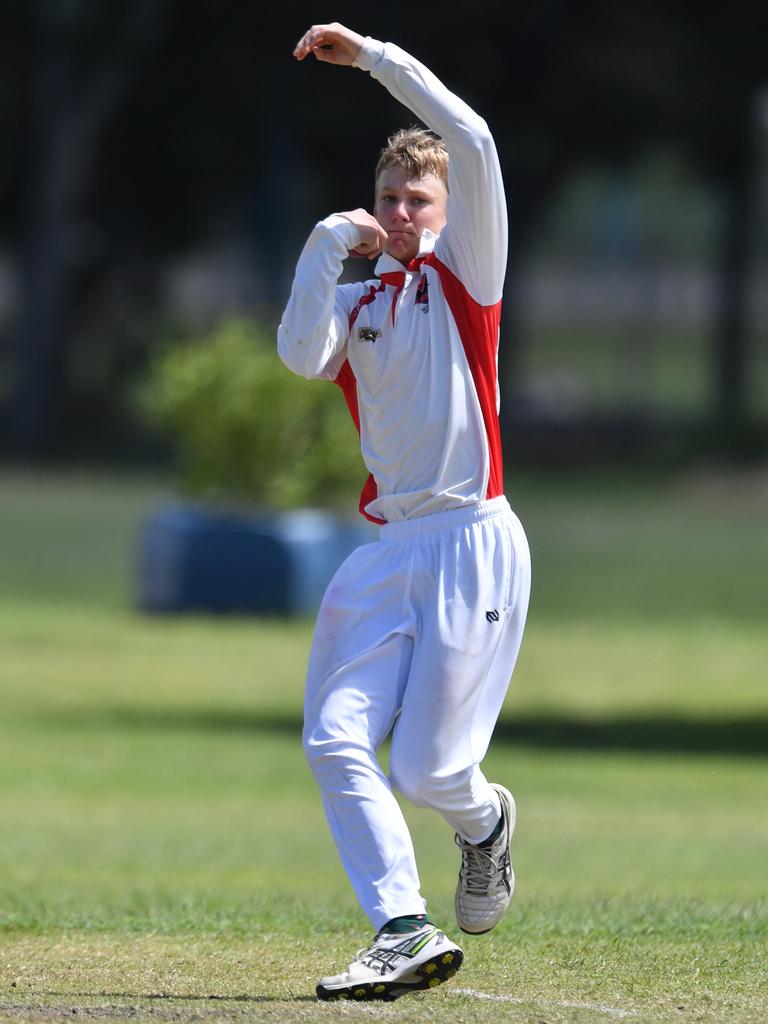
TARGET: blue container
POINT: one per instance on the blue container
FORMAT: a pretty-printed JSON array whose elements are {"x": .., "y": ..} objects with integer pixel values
[
  {"x": 317, "y": 543},
  {"x": 195, "y": 559}
]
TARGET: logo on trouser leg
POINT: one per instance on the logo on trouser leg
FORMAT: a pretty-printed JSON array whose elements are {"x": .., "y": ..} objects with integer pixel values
[{"x": 492, "y": 616}]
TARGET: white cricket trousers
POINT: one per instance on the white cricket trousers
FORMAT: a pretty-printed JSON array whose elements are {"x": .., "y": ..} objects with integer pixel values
[{"x": 418, "y": 631}]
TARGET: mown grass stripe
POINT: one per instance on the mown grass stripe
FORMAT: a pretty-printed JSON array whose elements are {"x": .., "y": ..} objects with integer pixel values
[{"x": 567, "y": 1004}]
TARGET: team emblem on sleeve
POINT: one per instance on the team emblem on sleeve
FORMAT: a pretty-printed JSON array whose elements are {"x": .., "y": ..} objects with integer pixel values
[{"x": 368, "y": 334}]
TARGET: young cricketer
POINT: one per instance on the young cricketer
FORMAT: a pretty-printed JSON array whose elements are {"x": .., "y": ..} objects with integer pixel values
[{"x": 418, "y": 633}]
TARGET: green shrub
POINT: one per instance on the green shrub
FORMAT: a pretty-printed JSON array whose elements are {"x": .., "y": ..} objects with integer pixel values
[{"x": 246, "y": 429}]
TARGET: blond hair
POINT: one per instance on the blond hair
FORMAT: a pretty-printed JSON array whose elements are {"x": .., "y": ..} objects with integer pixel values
[{"x": 417, "y": 151}]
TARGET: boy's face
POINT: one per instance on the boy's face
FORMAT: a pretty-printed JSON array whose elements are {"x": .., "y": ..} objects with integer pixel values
[{"x": 405, "y": 207}]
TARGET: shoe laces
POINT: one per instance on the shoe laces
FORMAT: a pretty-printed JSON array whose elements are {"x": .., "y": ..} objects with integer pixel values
[
  {"x": 374, "y": 944},
  {"x": 382, "y": 955},
  {"x": 478, "y": 866},
  {"x": 377, "y": 943},
  {"x": 366, "y": 951}
]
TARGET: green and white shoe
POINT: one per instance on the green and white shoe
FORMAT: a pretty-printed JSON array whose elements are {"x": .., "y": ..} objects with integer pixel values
[
  {"x": 395, "y": 964},
  {"x": 486, "y": 879}
]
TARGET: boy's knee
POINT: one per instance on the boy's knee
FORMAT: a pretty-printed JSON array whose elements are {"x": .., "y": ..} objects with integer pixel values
[
  {"x": 425, "y": 784},
  {"x": 319, "y": 744},
  {"x": 331, "y": 751},
  {"x": 415, "y": 781}
]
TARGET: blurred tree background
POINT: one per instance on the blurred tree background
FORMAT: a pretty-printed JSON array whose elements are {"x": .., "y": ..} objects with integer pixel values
[{"x": 164, "y": 160}]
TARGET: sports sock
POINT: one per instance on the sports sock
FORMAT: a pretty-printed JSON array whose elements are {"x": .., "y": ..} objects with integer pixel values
[
  {"x": 402, "y": 925},
  {"x": 495, "y": 834}
]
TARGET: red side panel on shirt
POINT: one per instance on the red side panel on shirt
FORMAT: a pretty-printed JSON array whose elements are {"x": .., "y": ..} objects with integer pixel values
[
  {"x": 368, "y": 297},
  {"x": 348, "y": 383},
  {"x": 479, "y": 331}
]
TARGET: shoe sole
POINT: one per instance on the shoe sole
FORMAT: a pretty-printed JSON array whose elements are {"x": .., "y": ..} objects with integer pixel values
[{"x": 430, "y": 974}]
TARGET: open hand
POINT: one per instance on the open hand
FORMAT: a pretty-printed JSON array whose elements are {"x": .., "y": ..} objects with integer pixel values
[{"x": 332, "y": 43}]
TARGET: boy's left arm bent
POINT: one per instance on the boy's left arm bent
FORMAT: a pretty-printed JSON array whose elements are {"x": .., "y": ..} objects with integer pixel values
[{"x": 312, "y": 336}]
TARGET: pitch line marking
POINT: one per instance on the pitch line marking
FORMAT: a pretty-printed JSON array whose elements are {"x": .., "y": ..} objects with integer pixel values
[{"x": 612, "y": 1011}]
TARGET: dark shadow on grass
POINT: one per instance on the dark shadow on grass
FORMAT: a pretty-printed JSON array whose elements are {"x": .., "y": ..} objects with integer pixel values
[
  {"x": 733, "y": 736},
  {"x": 176, "y": 997}
]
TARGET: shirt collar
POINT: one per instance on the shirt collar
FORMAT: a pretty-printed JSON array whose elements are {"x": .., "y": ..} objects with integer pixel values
[{"x": 387, "y": 264}]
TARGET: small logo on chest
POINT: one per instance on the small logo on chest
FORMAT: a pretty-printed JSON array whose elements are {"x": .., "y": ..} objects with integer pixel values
[
  {"x": 422, "y": 294},
  {"x": 368, "y": 334}
]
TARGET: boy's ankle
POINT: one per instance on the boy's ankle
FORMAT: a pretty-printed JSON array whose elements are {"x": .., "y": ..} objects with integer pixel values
[
  {"x": 495, "y": 834},
  {"x": 406, "y": 923}
]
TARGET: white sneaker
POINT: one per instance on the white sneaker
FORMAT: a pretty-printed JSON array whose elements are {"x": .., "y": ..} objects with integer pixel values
[
  {"x": 395, "y": 964},
  {"x": 486, "y": 878}
]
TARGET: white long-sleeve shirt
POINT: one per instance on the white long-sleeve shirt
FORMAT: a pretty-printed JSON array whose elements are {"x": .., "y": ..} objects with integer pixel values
[{"x": 415, "y": 350}]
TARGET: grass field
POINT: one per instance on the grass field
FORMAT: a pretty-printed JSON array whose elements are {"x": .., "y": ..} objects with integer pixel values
[{"x": 163, "y": 854}]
